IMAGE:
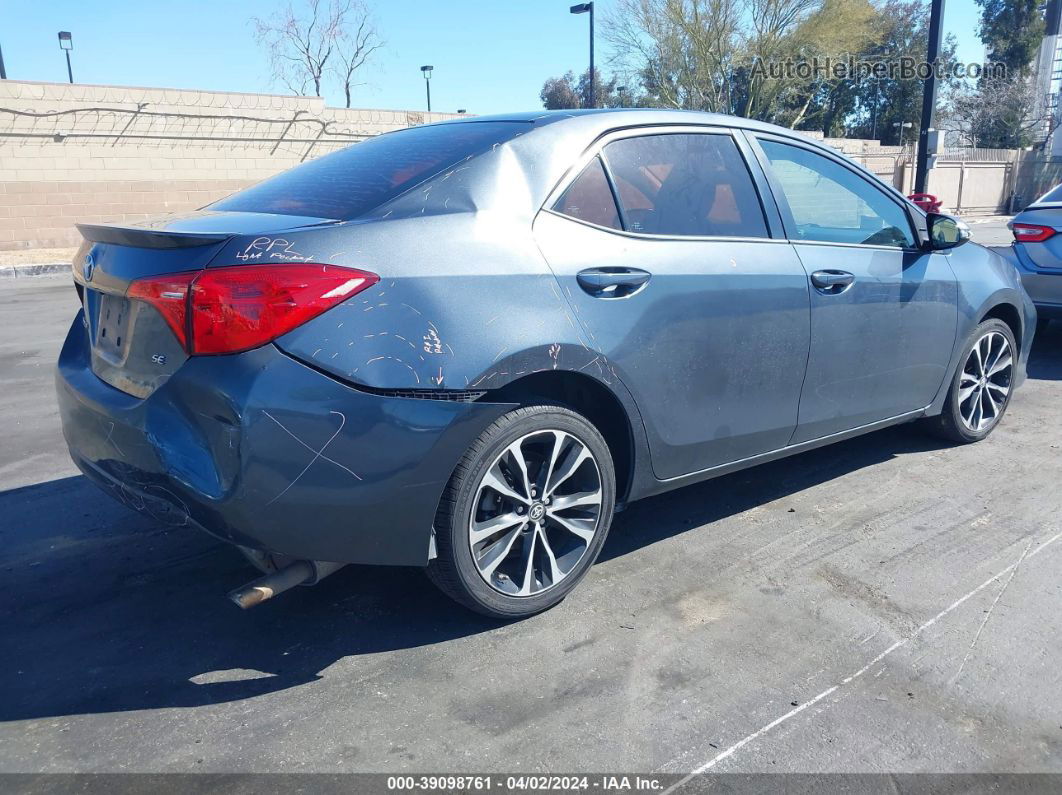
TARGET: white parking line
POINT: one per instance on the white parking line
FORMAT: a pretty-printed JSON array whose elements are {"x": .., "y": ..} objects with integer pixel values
[{"x": 708, "y": 765}]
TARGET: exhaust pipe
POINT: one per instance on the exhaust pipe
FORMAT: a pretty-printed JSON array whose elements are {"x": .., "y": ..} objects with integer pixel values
[{"x": 301, "y": 572}]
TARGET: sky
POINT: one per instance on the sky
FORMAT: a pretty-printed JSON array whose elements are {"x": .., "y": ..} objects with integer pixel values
[{"x": 489, "y": 57}]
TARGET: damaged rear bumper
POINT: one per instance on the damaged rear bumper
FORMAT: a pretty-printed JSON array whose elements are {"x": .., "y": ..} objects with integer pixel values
[{"x": 263, "y": 451}]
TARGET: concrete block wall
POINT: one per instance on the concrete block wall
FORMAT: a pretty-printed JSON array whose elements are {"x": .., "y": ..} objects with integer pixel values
[{"x": 81, "y": 153}]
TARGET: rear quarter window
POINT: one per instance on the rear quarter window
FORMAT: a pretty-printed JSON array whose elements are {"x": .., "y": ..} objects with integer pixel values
[
  {"x": 352, "y": 181},
  {"x": 589, "y": 198}
]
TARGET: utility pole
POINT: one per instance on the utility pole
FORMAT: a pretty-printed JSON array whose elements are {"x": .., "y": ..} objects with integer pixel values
[
  {"x": 3, "y": 71},
  {"x": 929, "y": 96}
]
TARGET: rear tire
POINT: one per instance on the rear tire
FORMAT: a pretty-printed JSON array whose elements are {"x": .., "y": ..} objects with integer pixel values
[
  {"x": 981, "y": 387},
  {"x": 510, "y": 545}
]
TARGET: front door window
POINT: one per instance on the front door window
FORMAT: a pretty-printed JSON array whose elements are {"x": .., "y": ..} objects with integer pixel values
[{"x": 832, "y": 204}]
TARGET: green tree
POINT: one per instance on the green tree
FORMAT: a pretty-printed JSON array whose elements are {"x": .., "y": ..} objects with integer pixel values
[
  {"x": 559, "y": 93},
  {"x": 902, "y": 33},
  {"x": 1004, "y": 111},
  {"x": 563, "y": 92},
  {"x": 824, "y": 102},
  {"x": 1012, "y": 31}
]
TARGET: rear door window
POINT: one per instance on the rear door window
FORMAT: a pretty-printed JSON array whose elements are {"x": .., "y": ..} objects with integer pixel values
[
  {"x": 352, "y": 181},
  {"x": 693, "y": 184},
  {"x": 589, "y": 198}
]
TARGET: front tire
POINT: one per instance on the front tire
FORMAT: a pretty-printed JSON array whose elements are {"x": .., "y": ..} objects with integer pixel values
[
  {"x": 525, "y": 513},
  {"x": 981, "y": 387}
]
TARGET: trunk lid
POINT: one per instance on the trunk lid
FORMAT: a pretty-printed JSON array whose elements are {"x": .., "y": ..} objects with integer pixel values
[{"x": 132, "y": 346}]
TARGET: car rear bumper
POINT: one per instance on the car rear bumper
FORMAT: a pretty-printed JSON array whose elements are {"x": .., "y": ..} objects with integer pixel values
[
  {"x": 263, "y": 451},
  {"x": 1044, "y": 286}
]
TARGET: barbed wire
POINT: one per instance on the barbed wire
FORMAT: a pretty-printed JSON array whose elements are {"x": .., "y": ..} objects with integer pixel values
[{"x": 303, "y": 132}]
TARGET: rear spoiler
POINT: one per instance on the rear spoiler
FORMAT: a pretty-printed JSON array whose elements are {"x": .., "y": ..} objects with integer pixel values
[{"x": 147, "y": 238}]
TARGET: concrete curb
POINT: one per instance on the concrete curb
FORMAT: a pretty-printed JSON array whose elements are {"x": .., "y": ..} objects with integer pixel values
[{"x": 20, "y": 271}]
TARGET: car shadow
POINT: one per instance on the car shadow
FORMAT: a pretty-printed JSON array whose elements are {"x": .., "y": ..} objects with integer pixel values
[
  {"x": 1045, "y": 359},
  {"x": 102, "y": 610}
]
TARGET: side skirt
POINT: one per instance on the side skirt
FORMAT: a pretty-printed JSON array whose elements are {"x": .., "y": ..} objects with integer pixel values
[{"x": 661, "y": 486}]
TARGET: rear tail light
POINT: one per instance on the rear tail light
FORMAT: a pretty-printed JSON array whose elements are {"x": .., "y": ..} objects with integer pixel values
[
  {"x": 1031, "y": 233},
  {"x": 169, "y": 295},
  {"x": 233, "y": 309}
]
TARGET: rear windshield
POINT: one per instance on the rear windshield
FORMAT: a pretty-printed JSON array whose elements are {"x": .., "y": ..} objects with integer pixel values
[
  {"x": 1053, "y": 196},
  {"x": 348, "y": 183}
]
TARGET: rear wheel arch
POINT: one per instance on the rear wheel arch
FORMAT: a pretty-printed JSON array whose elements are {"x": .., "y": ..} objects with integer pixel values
[{"x": 588, "y": 397}]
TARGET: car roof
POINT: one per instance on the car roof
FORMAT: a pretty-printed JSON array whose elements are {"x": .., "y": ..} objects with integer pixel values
[
  {"x": 555, "y": 139},
  {"x": 589, "y": 124},
  {"x": 610, "y": 118}
]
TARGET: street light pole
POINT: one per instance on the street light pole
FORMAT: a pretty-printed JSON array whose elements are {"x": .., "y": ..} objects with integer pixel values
[
  {"x": 905, "y": 125},
  {"x": 66, "y": 44},
  {"x": 929, "y": 96},
  {"x": 583, "y": 8},
  {"x": 874, "y": 116},
  {"x": 426, "y": 71}
]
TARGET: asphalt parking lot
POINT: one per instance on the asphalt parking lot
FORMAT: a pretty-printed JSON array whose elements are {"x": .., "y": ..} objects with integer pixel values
[
  {"x": 891, "y": 603},
  {"x": 991, "y": 231}
]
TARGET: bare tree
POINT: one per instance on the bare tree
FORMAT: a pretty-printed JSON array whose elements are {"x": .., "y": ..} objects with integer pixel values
[
  {"x": 1003, "y": 113},
  {"x": 304, "y": 43},
  {"x": 720, "y": 55},
  {"x": 774, "y": 25},
  {"x": 683, "y": 50},
  {"x": 357, "y": 41}
]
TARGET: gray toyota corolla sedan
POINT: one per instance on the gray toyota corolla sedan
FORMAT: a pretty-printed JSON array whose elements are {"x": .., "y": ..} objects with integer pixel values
[{"x": 463, "y": 346}]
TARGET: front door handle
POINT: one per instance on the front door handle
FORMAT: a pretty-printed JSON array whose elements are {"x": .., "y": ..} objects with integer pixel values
[
  {"x": 832, "y": 282},
  {"x": 612, "y": 282}
]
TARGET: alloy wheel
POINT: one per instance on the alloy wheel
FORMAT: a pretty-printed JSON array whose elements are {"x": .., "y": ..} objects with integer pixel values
[
  {"x": 984, "y": 385},
  {"x": 536, "y": 512}
]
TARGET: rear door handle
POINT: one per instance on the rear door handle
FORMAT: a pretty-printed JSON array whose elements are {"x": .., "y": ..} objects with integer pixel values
[
  {"x": 612, "y": 282},
  {"x": 832, "y": 282}
]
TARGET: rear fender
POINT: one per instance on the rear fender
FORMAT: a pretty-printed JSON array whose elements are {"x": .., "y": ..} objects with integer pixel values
[{"x": 473, "y": 313}]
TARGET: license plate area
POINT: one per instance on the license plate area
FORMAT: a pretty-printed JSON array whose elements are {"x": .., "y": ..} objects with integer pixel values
[
  {"x": 110, "y": 323},
  {"x": 135, "y": 366}
]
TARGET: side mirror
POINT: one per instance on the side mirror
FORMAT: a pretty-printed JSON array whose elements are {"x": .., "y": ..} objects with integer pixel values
[{"x": 946, "y": 232}]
